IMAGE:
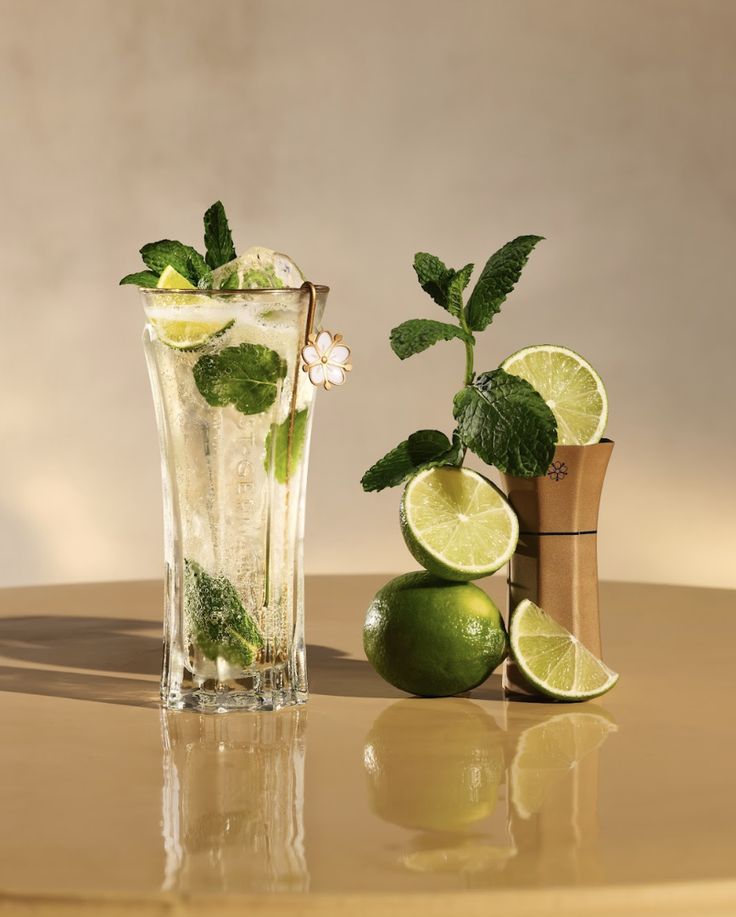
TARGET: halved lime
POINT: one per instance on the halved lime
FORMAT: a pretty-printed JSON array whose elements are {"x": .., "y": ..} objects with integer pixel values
[
  {"x": 457, "y": 524},
  {"x": 183, "y": 334},
  {"x": 554, "y": 660},
  {"x": 549, "y": 751},
  {"x": 571, "y": 387}
]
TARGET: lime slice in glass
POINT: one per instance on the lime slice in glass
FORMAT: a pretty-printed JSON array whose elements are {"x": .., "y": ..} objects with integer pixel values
[
  {"x": 554, "y": 660},
  {"x": 457, "y": 524},
  {"x": 548, "y": 752},
  {"x": 183, "y": 333},
  {"x": 571, "y": 387}
]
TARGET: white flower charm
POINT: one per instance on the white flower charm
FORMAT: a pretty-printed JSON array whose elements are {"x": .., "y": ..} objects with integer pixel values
[{"x": 326, "y": 359}]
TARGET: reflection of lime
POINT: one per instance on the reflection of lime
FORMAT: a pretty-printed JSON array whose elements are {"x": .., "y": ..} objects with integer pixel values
[
  {"x": 550, "y": 750},
  {"x": 430, "y": 637},
  {"x": 571, "y": 387},
  {"x": 457, "y": 524},
  {"x": 474, "y": 856},
  {"x": 554, "y": 660},
  {"x": 434, "y": 765},
  {"x": 183, "y": 334}
]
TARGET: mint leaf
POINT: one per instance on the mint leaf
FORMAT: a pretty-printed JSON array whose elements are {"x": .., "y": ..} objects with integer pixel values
[
  {"x": 221, "y": 625},
  {"x": 277, "y": 443},
  {"x": 457, "y": 283},
  {"x": 141, "y": 279},
  {"x": 183, "y": 258},
  {"x": 246, "y": 376},
  {"x": 424, "y": 449},
  {"x": 418, "y": 334},
  {"x": 218, "y": 239},
  {"x": 433, "y": 276},
  {"x": 507, "y": 423},
  {"x": 497, "y": 280}
]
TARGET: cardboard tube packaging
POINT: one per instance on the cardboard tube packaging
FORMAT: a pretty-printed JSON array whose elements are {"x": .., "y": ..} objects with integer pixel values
[{"x": 556, "y": 563}]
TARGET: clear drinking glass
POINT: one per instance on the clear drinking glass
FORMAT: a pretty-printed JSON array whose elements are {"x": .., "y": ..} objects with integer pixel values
[{"x": 234, "y": 414}]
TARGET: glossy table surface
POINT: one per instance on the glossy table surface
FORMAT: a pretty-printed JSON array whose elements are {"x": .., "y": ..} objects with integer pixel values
[{"x": 364, "y": 801}]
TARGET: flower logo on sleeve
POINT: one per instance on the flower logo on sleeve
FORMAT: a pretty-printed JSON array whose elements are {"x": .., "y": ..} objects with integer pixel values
[{"x": 326, "y": 359}]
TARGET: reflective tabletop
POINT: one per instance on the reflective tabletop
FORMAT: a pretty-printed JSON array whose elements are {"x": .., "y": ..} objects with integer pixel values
[{"x": 364, "y": 801}]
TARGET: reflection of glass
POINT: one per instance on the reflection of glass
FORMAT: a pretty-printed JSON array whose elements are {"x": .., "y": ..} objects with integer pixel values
[
  {"x": 436, "y": 768},
  {"x": 233, "y": 802},
  {"x": 439, "y": 767},
  {"x": 234, "y": 415}
]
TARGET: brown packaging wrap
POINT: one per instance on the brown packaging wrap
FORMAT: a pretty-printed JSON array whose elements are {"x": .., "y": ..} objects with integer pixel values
[{"x": 556, "y": 563}]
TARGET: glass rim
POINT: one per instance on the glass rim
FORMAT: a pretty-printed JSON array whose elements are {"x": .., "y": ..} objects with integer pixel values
[{"x": 197, "y": 291}]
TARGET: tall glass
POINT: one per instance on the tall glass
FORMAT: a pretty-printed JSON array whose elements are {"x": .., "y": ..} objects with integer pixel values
[{"x": 234, "y": 414}]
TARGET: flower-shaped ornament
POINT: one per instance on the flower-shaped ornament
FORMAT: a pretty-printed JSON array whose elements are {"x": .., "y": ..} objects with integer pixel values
[{"x": 326, "y": 359}]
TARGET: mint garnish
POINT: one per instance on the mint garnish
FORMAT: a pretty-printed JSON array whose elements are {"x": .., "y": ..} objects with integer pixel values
[
  {"x": 246, "y": 376},
  {"x": 221, "y": 625},
  {"x": 417, "y": 334},
  {"x": 498, "y": 279},
  {"x": 507, "y": 423},
  {"x": 141, "y": 279},
  {"x": 183, "y": 258},
  {"x": 501, "y": 418},
  {"x": 218, "y": 239},
  {"x": 277, "y": 445},
  {"x": 423, "y": 449}
]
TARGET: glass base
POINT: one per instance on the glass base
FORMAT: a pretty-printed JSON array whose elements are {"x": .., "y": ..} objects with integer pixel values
[
  {"x": 229, "y": 701},
  {"x": 266, "y": 687}
]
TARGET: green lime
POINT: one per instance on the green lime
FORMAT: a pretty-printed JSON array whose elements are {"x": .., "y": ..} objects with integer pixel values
[
  {"x": 183, "y": 333},
  {"x": 571, "y": 387},
  {"x": 549, "y": 751},
  {"x": 457, "y": 524},
  {"x": 553, "y": 659},
  {"x": 433, "y": 638}
]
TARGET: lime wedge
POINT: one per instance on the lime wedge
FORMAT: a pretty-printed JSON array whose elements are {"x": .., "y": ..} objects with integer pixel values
[
  {"x": 571, "y": 387},
  {"x": 457, "y": 524},
  {"x": 553, "y": 660},
  {"x": 549, "y": 751},
  {"x": 180, "y": 333}
]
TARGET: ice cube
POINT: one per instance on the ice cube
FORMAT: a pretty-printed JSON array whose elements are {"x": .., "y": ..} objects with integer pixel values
[{"x": 258, "y": 268}]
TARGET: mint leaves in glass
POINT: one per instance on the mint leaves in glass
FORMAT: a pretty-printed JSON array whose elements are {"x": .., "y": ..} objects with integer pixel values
[{"x": 222, "y": 341}]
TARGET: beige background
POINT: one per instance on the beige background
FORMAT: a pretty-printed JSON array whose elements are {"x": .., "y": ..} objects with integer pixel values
[{"x": 352, "y": 135}]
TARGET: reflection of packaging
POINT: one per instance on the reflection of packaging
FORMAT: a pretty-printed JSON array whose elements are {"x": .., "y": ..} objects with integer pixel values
[
  {"x": 556, "y": 563},
  {"x": 233, "y": 802},
  {"x": 552, "y": 799}
]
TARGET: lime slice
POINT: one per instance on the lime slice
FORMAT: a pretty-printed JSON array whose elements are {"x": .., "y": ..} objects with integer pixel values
[
  {"x": 570, "y": 386},
  {"x": 183, "y": 334},
  {"x": 553, "y": 659},
  {"x": 549, "y": 751},
  {"x": 457, "y": 524}
]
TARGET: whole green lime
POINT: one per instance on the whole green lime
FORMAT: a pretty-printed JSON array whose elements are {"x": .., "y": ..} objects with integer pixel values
[{"x": 431, "y": 637}]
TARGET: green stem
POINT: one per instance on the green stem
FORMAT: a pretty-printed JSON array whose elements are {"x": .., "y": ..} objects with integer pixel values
[{"x": 469, "y": 357}]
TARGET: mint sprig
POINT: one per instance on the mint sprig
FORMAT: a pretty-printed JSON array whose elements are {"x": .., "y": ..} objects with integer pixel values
[
  {"x": 218, "y": 239},
  {"x": 185, "y": 259},
  {"x": 141, "y": 278},
  {"x": 247, "y": 376},
  {"x": 284, "y": 454},
  {"x": 417, "y": 334},
  {"x": 501, "y": 418},
  {"x": 217, "y": 617},
  {"x": 423, "y": 449},
  {"x": 506, "y": 422},
  {"x": 498, "y": 279}
]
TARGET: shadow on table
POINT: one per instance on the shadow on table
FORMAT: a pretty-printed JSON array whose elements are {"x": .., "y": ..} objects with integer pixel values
[{"x": 130, "y": 647}]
